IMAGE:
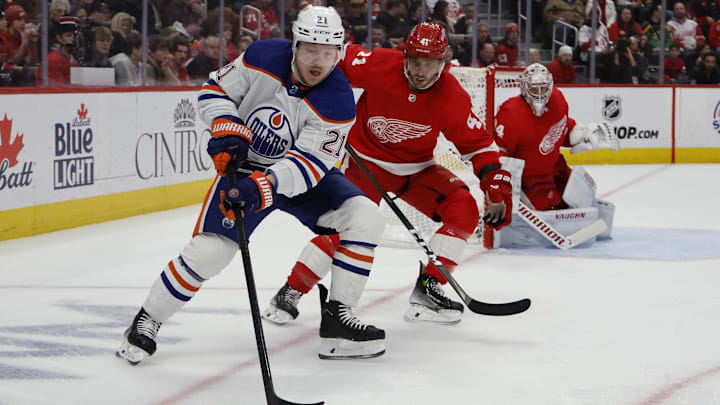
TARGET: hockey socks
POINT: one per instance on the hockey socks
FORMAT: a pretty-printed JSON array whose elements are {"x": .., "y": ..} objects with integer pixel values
[
  {"x": 432, "y": 270},
  {"x": 314, "y": 262},
  {"x": 176, "y": 285}
]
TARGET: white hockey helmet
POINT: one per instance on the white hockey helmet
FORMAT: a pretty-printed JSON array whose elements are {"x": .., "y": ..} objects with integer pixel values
[
  {"x": 319, "y": 25},
  {"x": 536, "y": 84}
]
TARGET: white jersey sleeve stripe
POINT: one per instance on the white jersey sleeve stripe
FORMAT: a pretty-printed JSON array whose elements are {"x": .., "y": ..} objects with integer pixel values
[
  {"x": 213, "y": 102},
  {"x": 303, "y": 171},
  {"x": 306, "y": 165},
  {"x": 318, "y": 163}
]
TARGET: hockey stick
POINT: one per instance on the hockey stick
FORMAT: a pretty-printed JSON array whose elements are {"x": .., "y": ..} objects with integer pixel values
[
  {"x": 484, "y": 308},
  {"x": 555, "y": 237},
  {"x": 272, "y": 398}
]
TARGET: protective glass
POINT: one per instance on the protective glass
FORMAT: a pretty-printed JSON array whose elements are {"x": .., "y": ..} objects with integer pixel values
[{"x": 317, "y": 54}]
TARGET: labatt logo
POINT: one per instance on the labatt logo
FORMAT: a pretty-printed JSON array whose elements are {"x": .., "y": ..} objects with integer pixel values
[{"x": 9, "y": 151}]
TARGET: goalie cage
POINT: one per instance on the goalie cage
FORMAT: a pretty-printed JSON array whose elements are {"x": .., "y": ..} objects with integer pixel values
[{"x": 473, "y": 80}]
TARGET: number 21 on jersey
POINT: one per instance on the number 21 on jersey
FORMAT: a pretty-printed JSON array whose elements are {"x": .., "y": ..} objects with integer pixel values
[{"x": 333, "y": 146}]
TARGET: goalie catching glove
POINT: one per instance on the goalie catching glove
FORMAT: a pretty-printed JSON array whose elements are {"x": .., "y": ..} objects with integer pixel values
[
  {"x": 252, "y": 194},
  {"x": 230, "y": 138},
  {"x": 498, "y": 191},
  {"x": 585, "y": 138}
]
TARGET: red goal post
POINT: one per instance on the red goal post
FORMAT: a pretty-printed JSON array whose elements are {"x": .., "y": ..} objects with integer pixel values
[{"x": 484, "y": 98}]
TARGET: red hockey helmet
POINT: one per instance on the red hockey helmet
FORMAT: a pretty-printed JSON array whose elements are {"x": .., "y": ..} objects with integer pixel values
[{"x": 427, "y": 40}]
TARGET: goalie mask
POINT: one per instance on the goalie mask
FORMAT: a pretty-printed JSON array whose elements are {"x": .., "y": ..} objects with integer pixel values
[
  {"x": 536, "y": 84},
  {"x": 322, "y": 26},
  {"x": 425, "y": 50}
]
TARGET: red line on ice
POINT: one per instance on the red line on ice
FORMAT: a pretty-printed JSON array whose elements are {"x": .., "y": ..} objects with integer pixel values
[
  {"x": 670, "y": 390},
  {"x": 634, "y": 181}
]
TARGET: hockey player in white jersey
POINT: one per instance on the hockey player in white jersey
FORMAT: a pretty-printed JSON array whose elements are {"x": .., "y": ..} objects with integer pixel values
[{"x": 282, "y": 111}]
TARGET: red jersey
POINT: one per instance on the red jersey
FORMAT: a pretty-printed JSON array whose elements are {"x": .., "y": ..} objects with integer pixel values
[
  {"x": 673, "y": 69},
  {"x": 506, "y": 55},
  {"x": 11, "y": 44},
  {"x": 537, "y": 140},
  {"x": 269, "y": 21},
  {"x": 714, "y": 35},
  {"x": 58, "y": 70},
  {"x": 397, "y": 128},
  {"x": 562, "y": 74}
]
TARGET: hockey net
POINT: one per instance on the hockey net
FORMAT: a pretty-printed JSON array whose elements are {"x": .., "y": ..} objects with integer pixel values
[{"x": 483, "y": 97}]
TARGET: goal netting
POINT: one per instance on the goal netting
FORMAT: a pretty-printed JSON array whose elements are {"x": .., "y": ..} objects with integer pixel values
[{"x": 484, "y": 98}]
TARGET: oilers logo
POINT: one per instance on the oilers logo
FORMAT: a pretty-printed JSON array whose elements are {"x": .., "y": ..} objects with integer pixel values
[{"x": 272, "y": 133}]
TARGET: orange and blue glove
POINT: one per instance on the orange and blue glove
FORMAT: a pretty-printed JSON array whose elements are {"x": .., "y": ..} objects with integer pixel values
[{"x": 230, "y": 139}]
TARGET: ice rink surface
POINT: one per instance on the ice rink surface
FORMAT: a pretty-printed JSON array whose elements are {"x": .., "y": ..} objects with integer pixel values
[{"x": 631, "y": 321}]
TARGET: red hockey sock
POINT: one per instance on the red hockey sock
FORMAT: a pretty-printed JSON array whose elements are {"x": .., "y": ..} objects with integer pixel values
[
  {"x": 302, "y": 278},
  {"x": 432, "y": 270}
]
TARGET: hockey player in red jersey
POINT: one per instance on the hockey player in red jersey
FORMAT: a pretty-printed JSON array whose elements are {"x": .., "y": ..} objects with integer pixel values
[
  {"x": 532, "y": 127},
  {"x": 408, "y": 100}
]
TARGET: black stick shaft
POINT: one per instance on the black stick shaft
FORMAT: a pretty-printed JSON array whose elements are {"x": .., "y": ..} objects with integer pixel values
[
  {"x": 252, "y": 294},
  {"x": 272, "y": 398}
]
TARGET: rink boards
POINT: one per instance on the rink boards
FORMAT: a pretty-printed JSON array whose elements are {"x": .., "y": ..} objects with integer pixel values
[{"x": 89, "y": 155}]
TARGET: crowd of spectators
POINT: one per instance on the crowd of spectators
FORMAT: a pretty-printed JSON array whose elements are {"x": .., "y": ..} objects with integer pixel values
[{"x": 184, "y": 43}]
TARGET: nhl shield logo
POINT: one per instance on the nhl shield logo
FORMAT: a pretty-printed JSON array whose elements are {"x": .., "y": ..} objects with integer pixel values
[{"x": 611, "y": 108}]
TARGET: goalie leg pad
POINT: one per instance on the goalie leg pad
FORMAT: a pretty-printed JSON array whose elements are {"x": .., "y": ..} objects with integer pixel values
[
  {"x": 606, "y": 212},
  {"x": 580, "y": 189},
  {"x": 520, "y": 234}
]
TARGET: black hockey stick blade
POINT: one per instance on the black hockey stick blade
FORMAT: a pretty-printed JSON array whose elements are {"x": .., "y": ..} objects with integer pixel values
[
  {"x": 504, "y": 309},
  {"x": 279, "y": 401}
]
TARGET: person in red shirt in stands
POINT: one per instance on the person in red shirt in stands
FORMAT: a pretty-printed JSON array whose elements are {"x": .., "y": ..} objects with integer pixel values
[
  {"x": 562, "y": 68},
  {"x": 506, "y": 53},
  {"x": 60, "y": 57},
  {"x": 19, "y": 42},
  {"x": 674, "y": 65},
  {"x": 624, "y": 26},
  {"x": 714, "y": 35}
]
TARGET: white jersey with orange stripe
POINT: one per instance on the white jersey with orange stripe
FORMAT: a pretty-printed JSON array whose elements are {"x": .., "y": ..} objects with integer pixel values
[{"x": 299, "y": 133}]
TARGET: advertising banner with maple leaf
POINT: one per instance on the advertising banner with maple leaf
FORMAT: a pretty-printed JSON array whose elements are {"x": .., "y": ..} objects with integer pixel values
[{"x": 93, "y": 144}]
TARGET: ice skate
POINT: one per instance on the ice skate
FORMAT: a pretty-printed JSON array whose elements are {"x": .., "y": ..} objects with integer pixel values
[
  {"x": 283, "y": 306},
  {"x": 344, "y": 336},
  {"x": 140, "y": 339},
  {"x": 428, "y": 302}
]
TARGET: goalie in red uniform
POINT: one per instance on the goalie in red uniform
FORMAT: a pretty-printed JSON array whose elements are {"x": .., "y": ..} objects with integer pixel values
[
  {"x": 532, "y": 127},
  {"x": 408, "y": 100}
]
